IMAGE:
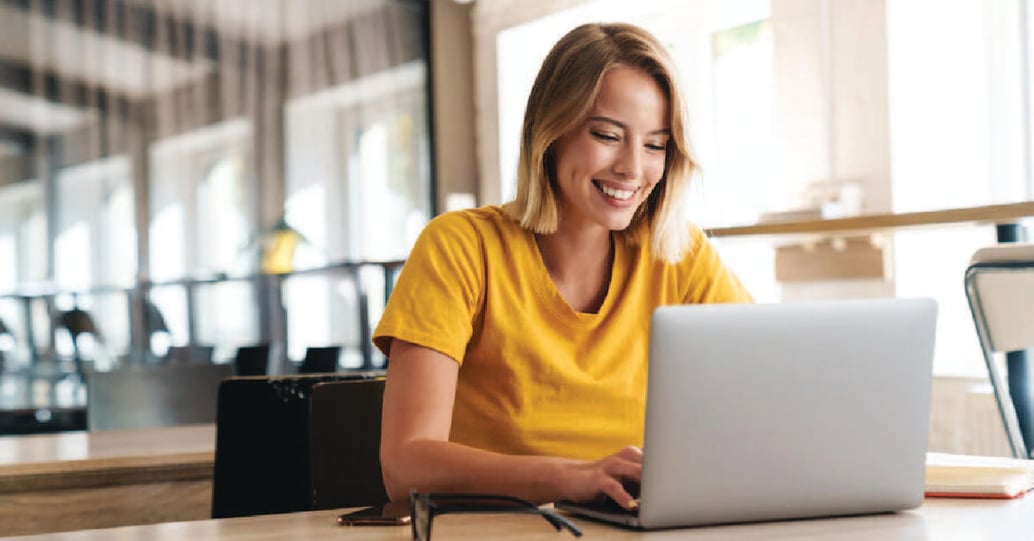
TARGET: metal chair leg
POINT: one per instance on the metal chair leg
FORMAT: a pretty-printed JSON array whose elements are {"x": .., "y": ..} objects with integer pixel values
[
  {"x": 1006, "y": 408},
  {"x": 1018, "y": 373}
]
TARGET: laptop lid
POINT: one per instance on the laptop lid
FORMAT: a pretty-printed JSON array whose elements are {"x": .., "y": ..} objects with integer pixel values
[
  {"x": 760, "y": 412},
  {"x": 779, "y": 411}
]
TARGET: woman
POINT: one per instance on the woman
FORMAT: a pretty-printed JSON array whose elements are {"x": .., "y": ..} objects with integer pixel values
[{"x": 518, "y": 335}]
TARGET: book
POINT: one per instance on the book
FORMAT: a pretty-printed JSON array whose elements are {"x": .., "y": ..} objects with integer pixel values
[{"x": 965, "y": 476}]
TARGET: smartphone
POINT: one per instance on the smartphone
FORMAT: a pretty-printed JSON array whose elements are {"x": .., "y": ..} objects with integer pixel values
[{"x": 389, "y": 514}]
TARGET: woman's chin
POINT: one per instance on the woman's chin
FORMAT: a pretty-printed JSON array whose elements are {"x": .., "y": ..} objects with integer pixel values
[{"x": 617, "y": 223}]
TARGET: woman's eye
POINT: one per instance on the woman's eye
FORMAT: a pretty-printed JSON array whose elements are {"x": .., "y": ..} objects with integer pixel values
[
  {"x": 604, "y": 136},
  {"x": 656, "y": 146}
]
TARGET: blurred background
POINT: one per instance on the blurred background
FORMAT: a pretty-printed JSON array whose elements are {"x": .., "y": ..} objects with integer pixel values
[
  {"x": 182, "y": 180},
  {"x": 194, "y": 176}
]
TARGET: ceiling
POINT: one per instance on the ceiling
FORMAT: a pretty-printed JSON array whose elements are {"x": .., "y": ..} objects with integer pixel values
[
  {"x": 265, "y": 21},
  {"x": 63, "y": 61}
]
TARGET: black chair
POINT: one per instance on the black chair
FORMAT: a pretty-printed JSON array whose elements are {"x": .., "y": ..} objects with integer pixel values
[
  {"x": 320, "y": 360},
  {"x": 344, "y": 444},
  {"x": 262, "y": 444},
  {"x": 252, "y": 360}
]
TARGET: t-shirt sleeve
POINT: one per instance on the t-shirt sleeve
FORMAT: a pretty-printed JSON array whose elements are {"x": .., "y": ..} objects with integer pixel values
[
  {"x": 708, "y": 280},
  {"x": 439, "y": 290}
]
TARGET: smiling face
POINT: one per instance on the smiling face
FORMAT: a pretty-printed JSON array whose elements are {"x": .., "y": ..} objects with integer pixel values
[{"x": 608, "y": 165}]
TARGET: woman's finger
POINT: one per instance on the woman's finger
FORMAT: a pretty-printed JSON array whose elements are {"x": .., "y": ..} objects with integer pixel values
[
  {"x": 622, "y": 469},
  {"x": 632, "y": 453},
  {"x": 616, "y": 491}
]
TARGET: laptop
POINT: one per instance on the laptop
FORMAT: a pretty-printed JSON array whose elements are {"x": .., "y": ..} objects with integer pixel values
[{"x": 783, "y": 411}]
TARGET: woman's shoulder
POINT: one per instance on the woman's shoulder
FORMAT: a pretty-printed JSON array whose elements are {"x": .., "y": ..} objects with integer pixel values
[
  {"x": 694, "y": 246},
  {"x": 697, "y": 244},
  {"x": 700, "y": 258},
  {"x": 489, "y": 220}
]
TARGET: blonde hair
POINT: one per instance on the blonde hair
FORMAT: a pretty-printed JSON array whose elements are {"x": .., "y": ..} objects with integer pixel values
[{"x": 562, "y": 98}]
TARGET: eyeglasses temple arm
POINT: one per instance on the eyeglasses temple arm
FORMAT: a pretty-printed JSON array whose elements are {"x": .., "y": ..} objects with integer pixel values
[{"x": 559, "y": 522}]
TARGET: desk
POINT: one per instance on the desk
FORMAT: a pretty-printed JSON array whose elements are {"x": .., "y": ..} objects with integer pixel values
[
  {"x": 989, "y": 214},
  {"x": 938, "y": 519},
  {"x": 80, "y": 480}
]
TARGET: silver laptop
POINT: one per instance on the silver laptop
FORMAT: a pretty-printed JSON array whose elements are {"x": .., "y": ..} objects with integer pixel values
[{"x": 782, "y": 411}]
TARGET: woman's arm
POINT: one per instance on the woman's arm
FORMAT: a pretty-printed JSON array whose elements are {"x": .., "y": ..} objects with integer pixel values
[{"x": 416, "y": 452}]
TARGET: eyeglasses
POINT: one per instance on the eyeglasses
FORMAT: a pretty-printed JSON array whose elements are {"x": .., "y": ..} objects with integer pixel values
[{"x": 424, "y": 506}]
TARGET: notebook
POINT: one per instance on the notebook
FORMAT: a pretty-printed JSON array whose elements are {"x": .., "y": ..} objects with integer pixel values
[
  {"x": 964, "y": 476},
  {"x": 782, "y": 411}
]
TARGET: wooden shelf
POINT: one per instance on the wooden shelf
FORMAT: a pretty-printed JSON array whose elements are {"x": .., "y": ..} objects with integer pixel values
[{"x": 990, "y": 214}]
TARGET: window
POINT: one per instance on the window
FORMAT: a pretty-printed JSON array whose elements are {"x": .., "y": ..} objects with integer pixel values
[
  {"x": 203, "y": 210},
  {"x": 358, "y": 165},
  {"x": 958, "y": 138},
  {"x": 358, "y": 189},
  {"x": 22, "y": 261},
  {"x": 23, "y": 228},
  {"x": 203, "y": 225},
  {"x": 95, "y": 246}
]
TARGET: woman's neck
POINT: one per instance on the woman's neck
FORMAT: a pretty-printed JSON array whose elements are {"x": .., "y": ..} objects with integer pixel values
[
  {"x": 571, "y": 250},
  {"x": 579, "y": 261}
]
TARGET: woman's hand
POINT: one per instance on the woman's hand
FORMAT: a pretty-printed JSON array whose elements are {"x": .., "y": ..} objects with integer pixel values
[
  {"x": 608, "y": 476},
  {"x": 416, "y": 452}
]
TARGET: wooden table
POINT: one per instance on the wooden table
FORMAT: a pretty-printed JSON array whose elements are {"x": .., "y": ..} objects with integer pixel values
[
  {"x": 938, "y": 519},
  {"x": 988, "y": 214},
  {"x": 78, "y": 480}
]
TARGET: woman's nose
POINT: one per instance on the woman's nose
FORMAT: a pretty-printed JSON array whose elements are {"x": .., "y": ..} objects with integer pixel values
[{"x": 629, "y": 162}]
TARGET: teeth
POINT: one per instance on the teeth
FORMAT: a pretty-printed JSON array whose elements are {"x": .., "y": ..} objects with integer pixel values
[{"x": 616, "y": 194}]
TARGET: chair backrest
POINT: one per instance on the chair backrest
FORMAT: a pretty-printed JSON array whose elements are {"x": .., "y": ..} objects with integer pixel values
[
  {"x": 195, "y": 354},
  {"x": 262, "y": 444},
  {"x": 1000, "y": 284},
  {"x": 319, "y": 360},
  {"x": 153, "y": 396},
  {"x": 252, "y": 360},
  {"x": 344, "y": 444},
  {"x": 1000, "y": 288}
]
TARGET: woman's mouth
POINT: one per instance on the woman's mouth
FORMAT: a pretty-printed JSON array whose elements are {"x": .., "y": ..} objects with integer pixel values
[{"x": 613, "y": 193}]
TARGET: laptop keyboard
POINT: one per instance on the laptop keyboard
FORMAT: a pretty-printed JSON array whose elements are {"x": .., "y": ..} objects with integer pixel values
[{"x": 611, "y": 506}]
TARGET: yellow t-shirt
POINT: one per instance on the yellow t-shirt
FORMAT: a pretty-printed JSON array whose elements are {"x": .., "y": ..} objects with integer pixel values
[{"x": 536, "y": 377}]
